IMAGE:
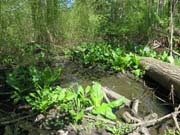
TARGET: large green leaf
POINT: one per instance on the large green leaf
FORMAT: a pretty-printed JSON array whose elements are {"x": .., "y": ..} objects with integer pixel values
[
  {"x": 117, "y": 102},
  {"x": 104, "y": 110},
  {"x": 96, "y": 94}
]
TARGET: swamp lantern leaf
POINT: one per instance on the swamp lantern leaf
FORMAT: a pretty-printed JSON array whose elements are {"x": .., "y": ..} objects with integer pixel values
[
  {"x": 117, "y": 102},
  {"x": 49, "y": 76},
  {"x": 70, "y": 96},
  {"x": 80, "y": 90},
  {"x": 60, "y": 92},
  {"x": 96, "y": 94},
  {"x": 87, "y": 90},
  {"x": 104, "y": 110},
  {"x": 77, "y": 116},
  {"x": 171, "y": 59}
]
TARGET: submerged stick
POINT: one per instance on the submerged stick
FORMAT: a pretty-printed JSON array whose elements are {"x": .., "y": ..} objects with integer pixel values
[
  {"x": 135, "y": 105},
  {"x": 114, "y": 95}
]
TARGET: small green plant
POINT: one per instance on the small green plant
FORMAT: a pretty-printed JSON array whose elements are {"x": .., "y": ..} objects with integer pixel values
[
  {"x": 100, "y": 108},
  {"x": 34, "y": 87},
  {"x": 44, "y": 98},
  {"x": 148, "y": 52},
  {"x": 171, "y": 132},
  {"x": 25, "y": 80},
  {"x": 120, "y": 129},
  {"x": 21, "y": 82},
  {"x": 74, "y": 101}
]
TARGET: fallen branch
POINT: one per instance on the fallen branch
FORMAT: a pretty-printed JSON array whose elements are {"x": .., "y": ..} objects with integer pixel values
[
  {"x": 174, "y": 52},
  {"x": 155, "y": 121},
  {"x": 127, "y": 117},
  {"x": 105, "y": 97},
  {"x": 16, "y": 120},
  {"x": 135, "y": 105},
  {"x": 113, "y": 95},
  {"x": 175, "y": 117},
  {"x": 142, "y": 129},
  {"x": 165, "y": 74}
]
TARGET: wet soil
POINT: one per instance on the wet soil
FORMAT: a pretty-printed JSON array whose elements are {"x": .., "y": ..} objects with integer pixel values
[{"x": 71, "y": 75}]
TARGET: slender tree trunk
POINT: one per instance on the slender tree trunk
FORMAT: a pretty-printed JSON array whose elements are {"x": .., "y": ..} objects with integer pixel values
[
  {"x": 0, "y": 21},
  {"x": 171, "y": 25},
  {"x": 44, "y": 14},
  {"x": 160, "y": 6},
  {"x": 2, "y": 27},
  {"x": 0, "y": 9}
]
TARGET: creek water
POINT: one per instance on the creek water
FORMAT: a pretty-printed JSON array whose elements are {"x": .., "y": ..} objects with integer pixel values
[{"x": 120, "y": 83}]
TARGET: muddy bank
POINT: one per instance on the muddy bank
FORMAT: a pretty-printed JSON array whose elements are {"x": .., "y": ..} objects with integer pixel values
[{"x": 71, "y": 75}]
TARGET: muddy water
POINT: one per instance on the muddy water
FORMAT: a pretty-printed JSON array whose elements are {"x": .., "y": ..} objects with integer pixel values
[{"x": 121, "y": 84}]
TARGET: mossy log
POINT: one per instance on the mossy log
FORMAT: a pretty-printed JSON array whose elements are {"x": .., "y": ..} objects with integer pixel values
[{"x": 165, "y": 74}]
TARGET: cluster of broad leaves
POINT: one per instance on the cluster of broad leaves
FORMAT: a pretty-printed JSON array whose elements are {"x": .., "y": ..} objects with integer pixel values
[
  {"x": 34, "y": 87},
  {"x": 107, "y": 57},
  {"x": 27, "y": 79},
  {"x": 164, "y": 55},
  {"x": 74, "y": 101}
]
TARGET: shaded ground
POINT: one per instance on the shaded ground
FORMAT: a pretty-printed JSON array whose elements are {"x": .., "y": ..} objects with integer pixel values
[{"x": 19, "y": 120}]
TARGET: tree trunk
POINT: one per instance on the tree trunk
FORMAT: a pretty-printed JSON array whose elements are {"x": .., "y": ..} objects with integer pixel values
[
  {"x": 163, "y": 73},
  {"x": 171, "y": 25}
]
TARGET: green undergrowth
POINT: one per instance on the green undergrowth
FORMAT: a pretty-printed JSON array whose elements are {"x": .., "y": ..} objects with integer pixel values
[
  {"x": 107, "y": 57},
  {"x": 25, "y": 80},
  {"x": 115, "y": 58},
  {"x": 171, "y": 132},
  {"x": 146, "y": 51},
  {"x": 36, "y": 87}
]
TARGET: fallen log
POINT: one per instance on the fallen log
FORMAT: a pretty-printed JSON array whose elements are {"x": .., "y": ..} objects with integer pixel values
[{"x": 165, "y": 74}]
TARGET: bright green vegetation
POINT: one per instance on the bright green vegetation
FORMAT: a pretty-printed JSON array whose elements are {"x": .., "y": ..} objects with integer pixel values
[
  {"x": 148, "y": 52},
  {"x": 164, "y": 56},
  {"x": 107, "y": 57},
  {"x": 172, "y": 132},
  {"x": 116, "y": 58},
  {"x": 75, "y": 102},
  {"x": 120, "y": 128},
  {"x": 54, "y": 22},
  {"x": 25, "y": 80},
  {"x": 34, "y": 32},
  {"x": 41, "y": 95}
]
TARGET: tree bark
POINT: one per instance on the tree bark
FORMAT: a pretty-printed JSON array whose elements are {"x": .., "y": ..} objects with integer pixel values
[
  {"x": 163, "y": 73},
  {"x": 171, "y": 25}
]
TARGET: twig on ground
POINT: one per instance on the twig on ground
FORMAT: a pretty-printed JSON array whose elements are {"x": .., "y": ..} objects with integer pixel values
[
  {"x": 175, "y": 117},
  {"x": 135, "y": 105},
  {"x": 129, "y": 118},
  {"x": 114, "y": 95},
  {"x": 16, "y": 120},
  {"x": 155, "y": 121},
  {"x": 105, "y": 96}
]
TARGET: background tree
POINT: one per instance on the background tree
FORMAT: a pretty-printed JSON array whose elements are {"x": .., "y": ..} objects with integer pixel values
[{"x": 62, "y": 23}]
